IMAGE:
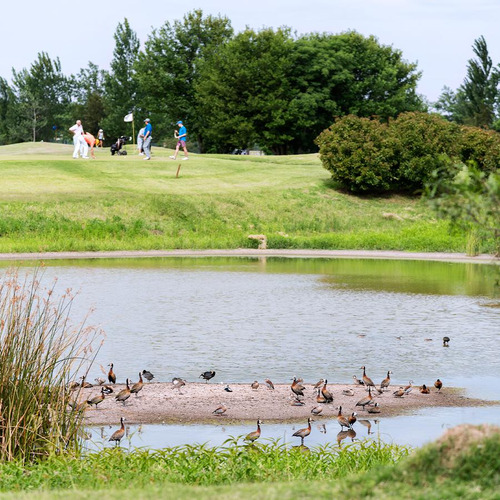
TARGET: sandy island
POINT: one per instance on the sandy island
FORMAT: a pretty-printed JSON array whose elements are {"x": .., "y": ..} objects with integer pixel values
[{"x": 162, "y": 403}]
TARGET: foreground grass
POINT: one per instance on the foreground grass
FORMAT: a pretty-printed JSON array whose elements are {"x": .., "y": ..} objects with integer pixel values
[
  {"x": 465, "y": 464},
  {"x": 50, "y": 202}
]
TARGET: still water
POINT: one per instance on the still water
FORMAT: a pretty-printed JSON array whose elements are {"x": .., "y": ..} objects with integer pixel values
[{"x": 249, "y": 319}]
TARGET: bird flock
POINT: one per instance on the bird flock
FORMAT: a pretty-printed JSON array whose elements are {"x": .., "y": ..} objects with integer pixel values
[{"x": 322, "y": 396}]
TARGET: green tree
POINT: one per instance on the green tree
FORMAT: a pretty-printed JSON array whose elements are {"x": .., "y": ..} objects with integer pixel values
[
  {"x": 120, "y": 84},
  {"x": 168, "y": 70},
  {"x": 42, "y": 94},
  {"x": 475, "y": 101},
  {"x": 245, "y": 94},
  {"x": 8, "y": 106},
  {"x": 470, "y": 200}
]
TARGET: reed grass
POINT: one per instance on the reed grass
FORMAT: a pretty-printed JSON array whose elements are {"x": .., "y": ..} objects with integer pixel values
[{"x": 40, "y": 351}]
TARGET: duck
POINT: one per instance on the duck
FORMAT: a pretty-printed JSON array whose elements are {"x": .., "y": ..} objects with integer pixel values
[
  {"x": 73, "y": 386},
  {"x": 438, "y": 384},
  {"x": 366, "y": 400},
  {"x": 357, "y": 381},
  {"x": 374, "y": 409},
  {"x": 424, "y": 389},
  {"x": 99, "y": 381},
  {"x": 348, "y": 392},
  {"x": 295, "y": 401},
  {"x": 269, "y": 384},
  {"x": 319, "y": 383},
  {"x": 178, "y": 383},
  {"x": 108, "y": 389},
  {"x": 97, "y": 399},
  {"x": 124, "y": 394},
  {"x": 399, "y": 393},
  {"x": 111, "y": 375},
  {"x": 220, "y": 410},
  {"x": 319, "y": 397},
  {"x": 352, "y": 419},
  {"x": 147, "y": 375},
  {"x": 118, "y": 435},
  {"x": 303, "y": 433},
  {"x": 409, "y": 387},
  {"x": 386, "y": 382},
  {"x": 297, "y": 387},
  {"x": 207, "y": 375},
  {"x": 445, "y": 341},
  {"x": 255, "y": 385},
  {"x": 253, "y": 436},
  {"x": 326, "y": 393},
  {"x": 343, "y": 421},
  {"x": 228, "y": 389},
  {"x": 367, "y": 380},
  {"x": 137, "y": 387},
  {"x": 316, "y": 410},
  {"x": 84, "y": 384}
]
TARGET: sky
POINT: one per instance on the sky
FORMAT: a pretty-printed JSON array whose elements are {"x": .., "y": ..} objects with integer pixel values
[{"x": 436, "y": 34}]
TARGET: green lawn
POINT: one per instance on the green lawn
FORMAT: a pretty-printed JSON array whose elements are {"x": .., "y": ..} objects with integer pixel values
[{"x": 51, "y": 202}]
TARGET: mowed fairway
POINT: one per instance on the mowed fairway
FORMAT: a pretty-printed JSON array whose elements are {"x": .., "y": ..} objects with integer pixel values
[{"x": 52, "y": 202}]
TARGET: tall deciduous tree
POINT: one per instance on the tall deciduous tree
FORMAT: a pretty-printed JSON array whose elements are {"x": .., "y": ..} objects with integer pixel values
[
  {"x": 120, "y": 84},
  {"x": 168, "y": 69},
  {"x": 7, "y": 112}
]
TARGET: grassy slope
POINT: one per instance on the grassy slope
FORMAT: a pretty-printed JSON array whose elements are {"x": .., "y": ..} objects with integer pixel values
[
  {"x": 48, "y": 201},
  {"x": 465, "y": 464}
]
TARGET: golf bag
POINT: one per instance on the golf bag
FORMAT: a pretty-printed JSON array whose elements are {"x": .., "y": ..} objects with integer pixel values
[{"x": 118, "y": 145}]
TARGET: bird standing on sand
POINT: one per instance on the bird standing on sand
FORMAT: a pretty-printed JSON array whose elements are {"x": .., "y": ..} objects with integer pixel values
[
  {"x": 255, "y": 385},
  {"x": 399, "y": 393},
  {"x": 317, "y": 410},
  {"x": 228, "y": 389},
  {"x": 326, "y": 393},
  {"x": 374, "y": 409},
  {"x": 207, "y": 375},
  {"x": 253, "y": 436},
  {"x": 297, "y": 387},
  {"x": 319, "y": 383},
  {"x": 348, "y": 392},
  {"x": 220, "y": 410},
  {"x": 97, "y": 399},
  {"x": 367, "y": 400},
  {"x": 367, "y": 380},
  {"x": 438, "y": 384},
  {"x": 118, "y": 435},
  {"x": 178, "y": 383},
  {"x": 303, "y": 433},
  {"x": 269, "y": 384},
  {"x": 84, "y": 384},
  {"x": 424, "y": 389},
  {"x": 357, "y": 381},
  {"x": 107, "y": 389},
  {"x": 111, "y": 375},
  {"x": 147, "y": 375},
  {"x": 137, "y": 387},
  {"x": 124, "y": 394},
  {"x": 99, "y": 381},
  {"x": 386, "y": 382}
]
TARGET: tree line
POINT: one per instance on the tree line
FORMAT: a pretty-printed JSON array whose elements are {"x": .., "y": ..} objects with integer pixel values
[{"x": 267, "y": 88}]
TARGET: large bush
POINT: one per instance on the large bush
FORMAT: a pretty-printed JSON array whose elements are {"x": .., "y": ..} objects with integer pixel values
[
  {"x": 359, "y": 154},
  {"x": 365, "y": 155}
]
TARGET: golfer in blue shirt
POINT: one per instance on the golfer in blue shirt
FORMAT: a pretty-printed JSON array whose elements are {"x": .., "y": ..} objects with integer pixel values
[{"x": 182, "y": 137}]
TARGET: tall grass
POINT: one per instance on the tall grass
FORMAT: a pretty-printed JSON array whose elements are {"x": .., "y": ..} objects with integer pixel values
[{"x": 40, "y": 351}]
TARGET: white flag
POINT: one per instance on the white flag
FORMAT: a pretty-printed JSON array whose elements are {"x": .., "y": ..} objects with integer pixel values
[{"x": 129, "y": 118}]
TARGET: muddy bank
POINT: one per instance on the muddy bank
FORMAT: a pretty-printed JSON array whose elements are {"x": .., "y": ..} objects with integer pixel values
[{"x": 195, "y": 403}]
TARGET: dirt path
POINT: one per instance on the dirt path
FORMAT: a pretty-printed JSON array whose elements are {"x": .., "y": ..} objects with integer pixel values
[
  {"x": 161, "y": 403},
  {"x": 244, "y": 252}
]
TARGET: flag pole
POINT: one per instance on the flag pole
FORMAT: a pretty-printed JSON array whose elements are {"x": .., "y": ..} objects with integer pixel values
[{"x": 133, "y": 134}]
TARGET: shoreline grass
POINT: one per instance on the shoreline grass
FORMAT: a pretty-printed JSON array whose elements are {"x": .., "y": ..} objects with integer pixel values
[{"x": 50, "y": 202}]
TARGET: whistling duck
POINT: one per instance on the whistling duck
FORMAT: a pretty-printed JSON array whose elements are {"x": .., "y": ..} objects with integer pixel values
[
  {"x": 326, "y": 393},
  {"x": 317, "y": 410},
  {"x": 84, "y": 384},
  {"x": 297, "y": 388},
  {"x": 409, "y": 387},
  {"x": 118, "y": 435},
  {"x": 352, "y": 419},
  {"x": 72, "y": 386},
  {"x": 220, "y": 410},
  {"x": 445, "y": 341},
  {"x": 319, "y": 397},
  {"x": 178, "y": 383},
  {"x": 147, "y": 375},
  {"x": 111, "y": 375},
  {"x": 386, "y": 382},
  {"x": 319, "y": 383},
  {"x": 269, "y": 384},
  {"x": 108, "y": 389},
  {"x": 207, "y": 375},
  {"x": 295, "y": 401},
  {"x": 425, "y": 390},
  {"x": 255, "y": 385},
  {"x": 357, "y": 381},
  {"x": 96, "y": 400},
  {"x": 343, "y": 421},
  {"x": 137, "y": 386},
  {"x": 228, "y": 389},
  {"x": 124, "y": 394},
  {"x": 303, "y": 433},
  {"x": 374, "y": 409},
  {"x": 99, "y": 381},
  {"x": 253, "y": 436},
  {"x": 348, "y": 392},
  {"x": 367, "y": 400},
  {"x": 399, "y": 393},
  {"x": 367, "y": 380},
  {"x": 438, "y": 384}
]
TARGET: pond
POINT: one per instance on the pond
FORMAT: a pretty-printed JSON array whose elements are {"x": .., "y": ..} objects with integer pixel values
[{"x": 252, "y": 318}]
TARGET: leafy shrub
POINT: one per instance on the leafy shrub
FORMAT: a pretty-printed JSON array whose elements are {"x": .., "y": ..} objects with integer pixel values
[
  {"x": 423, "y": 142},
  {"x": 482, "y": 147},
  {"x": 359, "y": 154}
]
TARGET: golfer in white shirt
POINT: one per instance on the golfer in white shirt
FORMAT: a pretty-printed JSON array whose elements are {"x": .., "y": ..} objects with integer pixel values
[{"x": 78, "y": 141}]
